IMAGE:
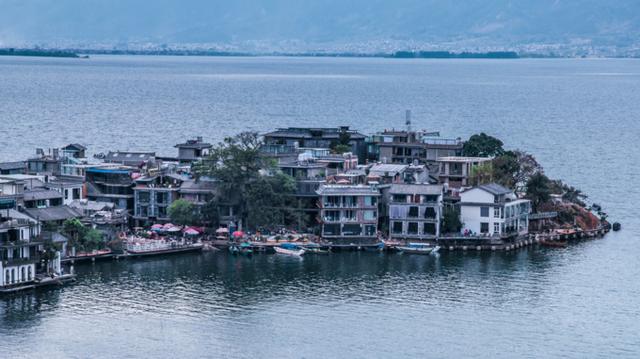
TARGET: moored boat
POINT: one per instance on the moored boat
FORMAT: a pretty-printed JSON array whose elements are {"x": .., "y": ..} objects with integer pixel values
[
  {"x": 145, "y": 247},
  {"x": 418, "y": 248},
  {"x": 555, "y": 244},
  {"x": 289, "y": 249}
]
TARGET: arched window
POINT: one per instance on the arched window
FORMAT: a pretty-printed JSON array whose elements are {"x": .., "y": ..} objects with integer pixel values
[
  {"x": 13, "y": 275},
  {"x": 7, "y": 278},
  {"x": 23, "y": 274},
  {"x": 29, "y": 273}
]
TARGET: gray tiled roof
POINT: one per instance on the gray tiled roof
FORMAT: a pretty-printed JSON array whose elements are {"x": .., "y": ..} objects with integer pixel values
[
  {"x": 38, "y": 194},
  {"x": 495, "y": 189},
  {"x": 433, "y": 189},
  {"x": 53, "y": 213}
]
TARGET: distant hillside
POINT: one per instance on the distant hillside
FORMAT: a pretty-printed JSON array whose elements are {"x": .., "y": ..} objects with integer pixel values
[{"x": 473, "y": 23}]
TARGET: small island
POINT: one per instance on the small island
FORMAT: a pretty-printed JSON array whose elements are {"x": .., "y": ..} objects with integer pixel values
[
  {"x": 292, "y": 191},
  {"x": 39, "y": 53}
]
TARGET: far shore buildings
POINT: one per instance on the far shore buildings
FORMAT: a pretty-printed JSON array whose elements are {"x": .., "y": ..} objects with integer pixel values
[{"x": 493, "y": 210}]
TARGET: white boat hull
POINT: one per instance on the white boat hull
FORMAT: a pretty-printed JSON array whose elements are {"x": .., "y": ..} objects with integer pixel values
[
  {"x": 418, "y": 250},
  {"x": 289, "y": 252}
]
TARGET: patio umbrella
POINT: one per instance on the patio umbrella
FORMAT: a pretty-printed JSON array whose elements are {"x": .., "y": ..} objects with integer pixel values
[
  {"x": 174, "y": 229},
  {"x": 191, "y": 232},
  {"x": 222, "y": 230},
  {"x": 238, "y": 234}
]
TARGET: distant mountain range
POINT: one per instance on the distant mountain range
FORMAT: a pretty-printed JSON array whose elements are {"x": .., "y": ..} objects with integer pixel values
[{"x": 298, "y": 25}]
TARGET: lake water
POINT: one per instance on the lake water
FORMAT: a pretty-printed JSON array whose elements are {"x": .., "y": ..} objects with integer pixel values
[{"x": 578, "y": 117}]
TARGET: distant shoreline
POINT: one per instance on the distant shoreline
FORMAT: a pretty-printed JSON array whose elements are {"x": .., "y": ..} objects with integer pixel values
[
  {"x": 39, "y": 53},
  {"x": 84, "y": 53}
]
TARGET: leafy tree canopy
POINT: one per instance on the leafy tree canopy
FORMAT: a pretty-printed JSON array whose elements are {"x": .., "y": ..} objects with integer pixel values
[
  {"x": 483, "y": 145},
  {"x": 181, "y": 212}
]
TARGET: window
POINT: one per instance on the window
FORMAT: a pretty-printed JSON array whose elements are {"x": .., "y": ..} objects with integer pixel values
[
  {"x": 331, "y": 229},
  {"x": 413, "y": 212},
  {"x": 350, "y": 215},
  {"x": 412, "y": 228},
  {"x": 484, "y": 227},
  {"x": 484, "y": 211},
  {"x": 430, "y": 212},
  {"x": 429, "y": 228},
  {"x": 400, "y": 198},
  {"x": 431, "y": 198},
  {"x": 370, "y": 201},
  {"x": 496, "y": 228},
  {"x": 332, "y": 216},
  {"x": 369, "y": 230},
  {"x": 496, "y": 212},
  {"x": 76, "y": 193},
  {"x": 397, "y": 227},
  {"x": 143, "y": 196},
  {"x": 369, "y": 215},
  {"x": 351, "y": 230}
]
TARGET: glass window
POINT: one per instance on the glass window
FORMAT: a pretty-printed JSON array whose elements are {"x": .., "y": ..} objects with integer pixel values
[
  {"x": 484, "y": 211},
  {"x": 496, "y": 212},
  {"x": 369, "y": 215},
  {"x": 430, "y": 212},
  {"x": 331, "y": 229},
  {"x": 412, "y": 228},
  {"x": 413, "y": 211},
  {"x": 369, "y": 230},
  {"x": 484, "y": 227},
  {"x": 496, "y": 228},
  {"x": 429, "y": 228},
  {"x": 397, "y": 227},
  {"x": 351, "y": 230}
]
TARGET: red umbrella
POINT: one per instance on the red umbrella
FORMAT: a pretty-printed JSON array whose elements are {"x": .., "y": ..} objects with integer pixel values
[{"x": 238, "y": 234}]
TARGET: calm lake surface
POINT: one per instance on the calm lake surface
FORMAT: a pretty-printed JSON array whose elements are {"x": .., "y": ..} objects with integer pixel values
[{"x": 580, "y": 118}]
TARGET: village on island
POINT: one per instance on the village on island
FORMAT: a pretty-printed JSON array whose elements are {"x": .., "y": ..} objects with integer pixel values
[{"x": 292, "y": 191}]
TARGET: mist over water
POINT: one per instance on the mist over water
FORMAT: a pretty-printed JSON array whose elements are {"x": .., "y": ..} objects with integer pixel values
[{"x": 578, "y": 117}]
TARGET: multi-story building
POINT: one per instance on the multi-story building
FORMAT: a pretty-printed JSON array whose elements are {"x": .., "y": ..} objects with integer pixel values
[
  {"x": 493, "y": 210},
  {"x": 71, "y": 188},
  {"x": 193, "y": 150},
  {"x": 285, "y": 141},
  {"x": 12, "y": 168},
  {"x": 456, "y": 170},
  {"x": 45, "y": 164},
  {"x": 20, "y": 248},
  {"x": 111, "y": 184},
  {"x": 415, "y": 211},
  {"x": 349, "y": 213},
  {"x": 153, "y": 195},
  {"x": 411, "y": 146}
]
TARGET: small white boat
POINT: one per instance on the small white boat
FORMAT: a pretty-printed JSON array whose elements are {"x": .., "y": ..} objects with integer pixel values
[
  {"x": 419, "y": 248},
  {"x": 290, "y": 250}
]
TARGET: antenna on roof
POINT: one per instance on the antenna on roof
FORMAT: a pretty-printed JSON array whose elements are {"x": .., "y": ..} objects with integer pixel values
[{"x": 407, "y": 122}]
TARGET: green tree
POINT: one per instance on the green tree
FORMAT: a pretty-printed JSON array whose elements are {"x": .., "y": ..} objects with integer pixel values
[
  {"x": 181, "y": 212},
  {"x": 538, "y": 190},
  {"x": 74, "y": 230},
  {"x": 242, "y": 173},
  {"x": 451, "y": 220},
  {"x": 481, "y": 174},
  {"x": 49, "y": 253},
  {"x": 342, "y": 144},
  {"x": 482, "y": 145},
  {"x": 268, "y": 202},
  {"x": 93, "y": 240}
]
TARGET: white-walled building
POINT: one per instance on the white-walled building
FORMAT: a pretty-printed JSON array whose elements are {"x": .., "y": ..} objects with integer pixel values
[
  {"x": 20, "y": 248},
  {"x": 494, "y": 210}
]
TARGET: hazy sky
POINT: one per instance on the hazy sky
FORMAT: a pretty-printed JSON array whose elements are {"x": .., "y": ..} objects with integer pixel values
[{"x": 42, "y": 21}]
